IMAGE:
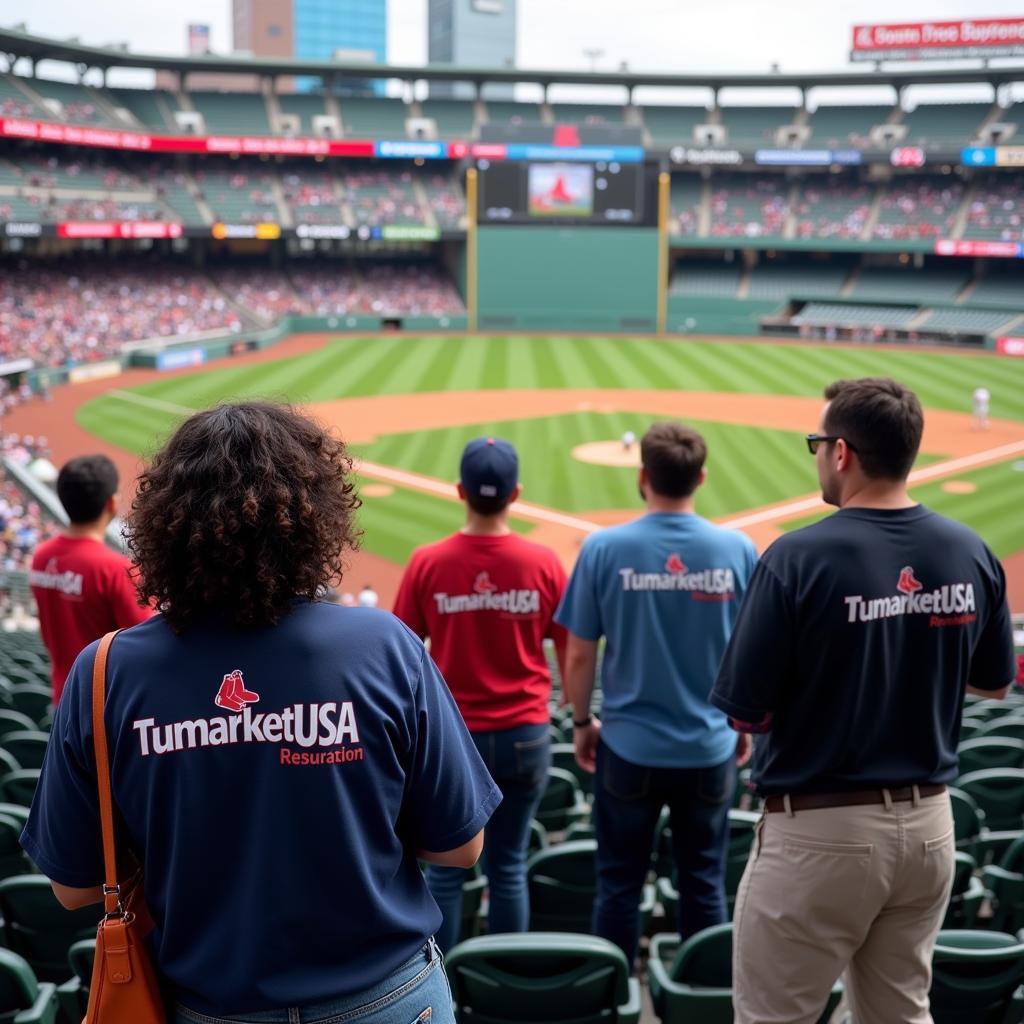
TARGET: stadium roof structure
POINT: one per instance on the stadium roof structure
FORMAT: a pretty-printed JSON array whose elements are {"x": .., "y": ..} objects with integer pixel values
[{"x": 19, "y": 45}]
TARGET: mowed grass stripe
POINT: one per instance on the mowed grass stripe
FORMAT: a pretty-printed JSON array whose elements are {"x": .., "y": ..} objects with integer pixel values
[
  {"x": 380, "y": 365},
  {"x": 993, "y": 510}
]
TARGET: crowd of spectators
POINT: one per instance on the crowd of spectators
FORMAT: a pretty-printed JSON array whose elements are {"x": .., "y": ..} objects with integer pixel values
[
  {"x": 917, "y": 208},
  {"x": 833, "y": 211},
  {"x": 749, "y": 209},
  {"x": 997, "y": 211},
  {"x": 447, "y": 203},
  {"x": 11, "y": 106},
  {"x": 267, "y": 294},
  {"x": 386, "y": 289},
  {"x": 23, "y": 523},
  {"x": 84, "y": 313},
  {"x": 383, "y": 197}
]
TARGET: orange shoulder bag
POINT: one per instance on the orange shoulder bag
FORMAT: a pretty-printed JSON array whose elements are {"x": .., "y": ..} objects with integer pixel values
[{"x": 124, "y": 987}]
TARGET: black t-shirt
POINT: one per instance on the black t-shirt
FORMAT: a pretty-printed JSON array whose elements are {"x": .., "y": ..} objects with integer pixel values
[{"x": 859, "y": 635}]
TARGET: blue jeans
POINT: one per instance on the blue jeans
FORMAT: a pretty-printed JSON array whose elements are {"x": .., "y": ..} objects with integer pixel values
[
  {"x": 415, "y": 993},
  {"x": 628, "y": 799},
  {"x": 518, "y": 761}
]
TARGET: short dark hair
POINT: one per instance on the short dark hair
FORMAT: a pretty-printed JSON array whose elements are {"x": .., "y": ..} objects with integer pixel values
[
  {"x": 489, "y": 506},
  {"x": 245, "y": 508},
  {"x": 673, "y": 456},
  {"x": 880, "y": 419},
  {"x": 84, "y": 485}
]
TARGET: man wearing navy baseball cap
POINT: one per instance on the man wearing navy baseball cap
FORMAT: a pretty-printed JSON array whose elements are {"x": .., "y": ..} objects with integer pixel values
[{"x": 486, "y": 597}]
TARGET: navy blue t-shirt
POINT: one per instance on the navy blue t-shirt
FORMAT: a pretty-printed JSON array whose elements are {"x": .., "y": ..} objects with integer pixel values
[
  {"x": 859, "y": 635},
  {"x": 276, "y": 785}
]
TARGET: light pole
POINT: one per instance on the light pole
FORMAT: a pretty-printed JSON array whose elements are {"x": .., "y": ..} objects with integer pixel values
[{"x": 593, "y": 53}]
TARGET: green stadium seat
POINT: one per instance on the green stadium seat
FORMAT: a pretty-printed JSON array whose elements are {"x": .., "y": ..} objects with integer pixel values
[
  {"x": 741, "y": 837},
  {"x": 32, "y": 700},
  {"x": 970, "y": 728},
  {"x": 967, "y": 894},
  {"x": 538, "y": 837},
  {"x": 1004, "y": 885},
  {"x": 8, "y": 762},
  {"x": 14, "y": 721},
  {"x": 73, "y": 995},
  {"x": 974, "y": 976},
  {"x": 473, "y": 890},
  {"x": 23, "y": 999},
  {"x": 691, "y": 982},
  {"x": 562, "y": 802},
  {"x": 990, "y": 752},
  {"x": 19, "y": 787},
  {"x": 540, "y": 978},
  {"x": 27, "y": 748},
  {"x": 13, "y": 860},
  {"x": 563, "y": 755},
  {"x": 1005, "y": 725},
  {"x": 999, "y": 792},
  {"x": 38, "y": 928},
  {"x": 562, "y": 882}
]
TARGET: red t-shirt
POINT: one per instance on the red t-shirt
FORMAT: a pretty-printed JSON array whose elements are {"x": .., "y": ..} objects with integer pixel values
[
  {"x": 487, "y": 603},
  {"x": 83, "y": 590}
]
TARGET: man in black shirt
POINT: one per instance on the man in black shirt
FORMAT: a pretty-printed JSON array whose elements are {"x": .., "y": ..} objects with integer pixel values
[{"x": 854, "y": 647}]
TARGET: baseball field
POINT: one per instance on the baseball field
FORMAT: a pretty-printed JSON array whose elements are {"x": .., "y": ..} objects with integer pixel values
[{"x": 407, "y": 404}]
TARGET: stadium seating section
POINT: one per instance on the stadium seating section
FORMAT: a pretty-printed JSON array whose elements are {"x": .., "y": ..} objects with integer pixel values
[
  {"x": 842, "y": 126},
  {"x": 996, "y": 211}
]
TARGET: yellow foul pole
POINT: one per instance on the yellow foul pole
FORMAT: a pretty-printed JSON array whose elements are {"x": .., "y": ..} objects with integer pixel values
[
  {"x": 664, "y": 204},
  {"x": 471, "y": 260}
]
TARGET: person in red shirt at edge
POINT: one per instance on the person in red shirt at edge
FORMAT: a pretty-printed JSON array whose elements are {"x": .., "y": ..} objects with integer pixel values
[
  {"x": 486, "y": 598},
  {"x": 82, "y": 587}
]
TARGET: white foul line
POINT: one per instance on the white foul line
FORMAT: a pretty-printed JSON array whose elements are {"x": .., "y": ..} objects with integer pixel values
[
  {"x": 447, "y": 490},
  {"x": 793, "y": 508},
  {"x": 152, "y": 403}
]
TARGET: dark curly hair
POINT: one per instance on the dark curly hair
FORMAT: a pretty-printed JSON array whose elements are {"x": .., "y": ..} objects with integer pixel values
[{"x": 245, "y": 508}]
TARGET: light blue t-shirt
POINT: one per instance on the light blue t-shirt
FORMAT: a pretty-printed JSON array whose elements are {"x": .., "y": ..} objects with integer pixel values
[{"x": 664, "y": 590}]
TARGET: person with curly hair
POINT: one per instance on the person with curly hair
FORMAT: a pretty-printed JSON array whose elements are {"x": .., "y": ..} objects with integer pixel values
[{"x": 278, "y": 762}]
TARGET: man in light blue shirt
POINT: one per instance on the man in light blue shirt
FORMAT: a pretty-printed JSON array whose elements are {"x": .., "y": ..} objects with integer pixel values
[{"x": 664, "y": 591}]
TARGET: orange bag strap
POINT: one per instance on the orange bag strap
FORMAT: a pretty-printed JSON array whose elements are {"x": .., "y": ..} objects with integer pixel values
[{"x": 111, "y": 889}]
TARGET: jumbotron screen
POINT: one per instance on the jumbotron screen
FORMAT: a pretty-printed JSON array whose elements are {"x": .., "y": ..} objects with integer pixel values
[{"x": 531, "y": 193}]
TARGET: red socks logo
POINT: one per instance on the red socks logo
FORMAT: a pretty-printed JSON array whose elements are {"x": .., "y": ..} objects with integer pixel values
[
  {"x": 675, "y": 564},
  {"x": 483, "y": 584},
  {"x": 232, "y": 695},
  {"x": 908, "y": 583}
]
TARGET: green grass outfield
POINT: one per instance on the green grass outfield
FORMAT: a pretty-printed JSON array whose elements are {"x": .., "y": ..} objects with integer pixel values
[{"x": 748, "y": 467}]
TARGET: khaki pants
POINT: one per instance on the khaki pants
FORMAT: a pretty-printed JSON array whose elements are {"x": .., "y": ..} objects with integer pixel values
[{"x": 860, "y": 890}]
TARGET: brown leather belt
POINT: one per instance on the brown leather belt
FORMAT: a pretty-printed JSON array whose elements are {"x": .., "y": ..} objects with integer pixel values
[{"x": 816, "y": 801}]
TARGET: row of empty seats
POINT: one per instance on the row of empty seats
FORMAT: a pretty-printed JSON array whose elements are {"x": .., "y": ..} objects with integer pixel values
[{"x": 835, "y": 126}]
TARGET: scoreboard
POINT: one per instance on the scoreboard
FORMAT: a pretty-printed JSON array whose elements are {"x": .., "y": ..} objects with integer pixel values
[{"x": 552, "y": 192}]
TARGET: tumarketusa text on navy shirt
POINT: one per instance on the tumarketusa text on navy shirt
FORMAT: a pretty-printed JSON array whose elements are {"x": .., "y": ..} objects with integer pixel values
[
  {"x": 276, "y": 785},
  {"x": 858, "y": 638}
]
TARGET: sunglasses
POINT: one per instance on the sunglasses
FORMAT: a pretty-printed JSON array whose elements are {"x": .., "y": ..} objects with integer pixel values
[{"x": 813, "y": 440}]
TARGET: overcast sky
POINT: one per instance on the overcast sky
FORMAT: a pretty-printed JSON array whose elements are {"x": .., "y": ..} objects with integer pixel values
[{"x": 655, "y": 35}]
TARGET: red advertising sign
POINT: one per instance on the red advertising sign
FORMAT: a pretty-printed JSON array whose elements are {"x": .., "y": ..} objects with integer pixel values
[
  {"x": 74, "y": 135},
  {"x": 907, "y": 156},
  {"x": 118, "y": 229},
  {"x": 969, "y": 37},
  {"x": 1010, "y": 346},
  {"x": 947, "y": 247}
]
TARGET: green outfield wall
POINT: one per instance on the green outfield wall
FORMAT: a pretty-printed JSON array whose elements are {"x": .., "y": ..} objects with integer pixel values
[{"x": 567, "y": 279}]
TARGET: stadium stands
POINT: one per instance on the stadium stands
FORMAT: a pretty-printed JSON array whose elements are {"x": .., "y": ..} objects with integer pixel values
[
  {"x": 13, "y": 101},
  {"x": 891, "y": 284},
  {"x": 374, "y": 118},
  {"x": 747, "y": 206},
  {"x": 996, "y": 210},
  {"x": 919, "y": 207},
  {"x": 238, "y": 192},
  {"x": 719, "y": 279},
  {"x": 312, "y": 193},
  {"x": 783, "y": 282},
  {"x": 672, "y": 126},
  {"x": 685, "y": 197},
  {"x": 832, "y": 209},
  {"x": 151, "y": 108},
  {"x": 513, "y": 113},
  {"x": 841, "y": 315},
  {"x": 305, "y": 106},
  {"x": 454, "y": 119},
  {"x": 65, "y": 101},
  {"x": 445, "y": 200},
  {"x": 998, "y": 288},
  {"x": 587, "y": 114},
  {"x": 383, "y": 197},
  {"x": 87, "y": 312},
  {"x": 755, "y": 126},
  {"x": 840, "y": 126},
  {"x": 935, "y": 125},
  {"x": 232, "y": 113}
]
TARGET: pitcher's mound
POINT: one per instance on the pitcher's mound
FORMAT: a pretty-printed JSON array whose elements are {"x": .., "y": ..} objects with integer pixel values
[{"x": 608, "y": 453}]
